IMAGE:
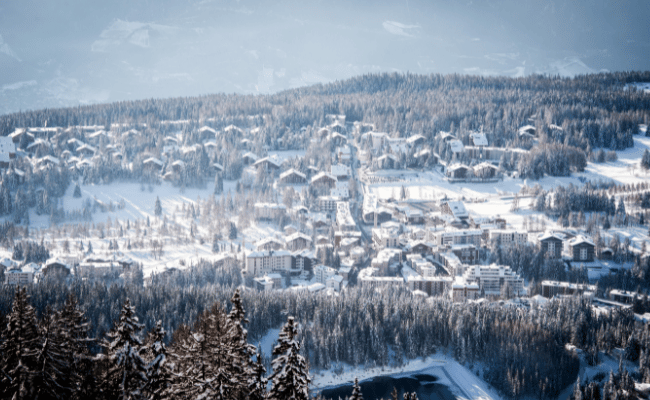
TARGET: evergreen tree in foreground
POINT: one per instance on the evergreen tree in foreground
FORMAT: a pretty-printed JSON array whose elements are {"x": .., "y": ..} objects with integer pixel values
[
  {"x": 290, "y": 378},
  {"x": 159, "y": 377},
  {"x": 19, "y": 347},
  {"x": 126, "y": 373}
]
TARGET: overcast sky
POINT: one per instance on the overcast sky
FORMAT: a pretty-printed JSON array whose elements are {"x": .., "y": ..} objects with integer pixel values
[{"x": 69, "y": 52}]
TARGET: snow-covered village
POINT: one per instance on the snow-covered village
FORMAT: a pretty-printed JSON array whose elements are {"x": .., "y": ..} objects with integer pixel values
[{"x": 291, "y": 201}]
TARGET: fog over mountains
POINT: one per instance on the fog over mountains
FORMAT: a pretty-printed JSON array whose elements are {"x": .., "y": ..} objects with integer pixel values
[{"x": 70, "y": 52}]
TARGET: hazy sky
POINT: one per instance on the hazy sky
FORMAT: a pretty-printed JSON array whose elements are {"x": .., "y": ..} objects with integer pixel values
[{"x": 69, "y": 52}]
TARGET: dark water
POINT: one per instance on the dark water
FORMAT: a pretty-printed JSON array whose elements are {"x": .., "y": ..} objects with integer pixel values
[{"x": 381, "y": 386}]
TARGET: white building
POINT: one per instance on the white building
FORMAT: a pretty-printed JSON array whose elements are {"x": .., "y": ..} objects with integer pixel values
[
  {"x": 335, "y": 282},
  {"x": 22, "y": 277},
  {"x": 323, "y": 272},
  {"x": 506, "y": 237},
  {"x": 492, "y": 278},
  {"x": 461, "y": 290},
  {"x": 260, "y": 263},
  {"x": 452, "y": 237}
]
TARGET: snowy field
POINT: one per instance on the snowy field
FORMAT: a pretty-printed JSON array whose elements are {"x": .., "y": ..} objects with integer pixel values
[{"x": 462, "y": 382}]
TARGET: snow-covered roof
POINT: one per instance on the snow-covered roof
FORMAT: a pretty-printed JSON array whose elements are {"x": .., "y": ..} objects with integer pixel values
[
  {"x": 457, "y": 166},
  {"x": 479, "y": 139},
  {"x": 340, "y": 170},
  {"x": 39, "y": 142},
  {"x": 298, "y": 235},
  {"x": 321, "y": 175},
  {"x": 207, "y": 129},
  {"x": 153, "y": 160},
  {"x": 292, "y": 172},
  {"x": 231, "y": 128},
  {"x": 48, "y": 158},
  {"x": 7, "y": 146},
  {"x": 551, "y": 234},
  {"x": 580, "y": 240},
  {"x": 456, "y": 146},
  {"x": 250, "y": 155},
  {"x": 485, "y": 165}
]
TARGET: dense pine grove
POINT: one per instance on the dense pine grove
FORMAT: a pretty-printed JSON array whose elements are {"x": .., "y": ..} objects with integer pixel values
[{"x": 167, "y": 340}]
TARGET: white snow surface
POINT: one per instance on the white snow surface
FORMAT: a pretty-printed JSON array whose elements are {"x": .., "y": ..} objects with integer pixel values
[{"x": 462, "y": 382}]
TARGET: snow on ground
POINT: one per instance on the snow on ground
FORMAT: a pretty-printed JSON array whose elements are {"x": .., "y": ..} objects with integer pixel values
[
  {"x": 462, "y": 382},
  {"x": 268, "y": 341},
  {"x": 626, "y": 169}
]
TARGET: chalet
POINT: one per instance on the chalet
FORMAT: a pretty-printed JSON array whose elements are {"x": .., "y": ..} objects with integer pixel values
[
  {"x": 485, "y": 170},
  {"x": 171, "y": 141},
  {"x": 338, "y": 126},
  {"x": 152, "y": 164},
  {"x": 582, "y": 249},
  {"x": 323, "y": 179},
  {"x": 415, "y": 140},
  {"x": 412, "y": 216},
  {"x": 606, "y": 254},
  {"x": 302, "y": 260},
  {"x": 458, "y": 171},
  {"x": 363, "y": 127},
  {"x": 48, "y": 160},
  {"x": 298, "y": 241},
  {"x": 55, "y": 267},
  {"x": 39, "y": 145},
  {"x": 385, "y": 237},
  {"x": 456, "y": 146},
  {"x": 86, "y": 150},
  {"x": 388, "y": 161},
  {"x": 338, "y": 139},
  {"x": 268, "y": 164},
  {"x": 292, "y": 177},
  {"x": 341, "y": 172},
  {"x": 249, "y": 158},
  {"x": 206, "y": 132},
  {"x": 269, "y": 243},
  {"x": 290, "y": 229},
  {"x": 447, "y": 136},
  {"x": 527, "y": 132},
  {"x": 551, "y": 244},
  {"x": 100, "y": 136},
  {"x": 323, "y": 133},
  {"x": 322, "y": 240},
  {"x": 479, "y": 139},
  {"x": 233, "y": 130},
  {"x": 216, "y": 167},
  {"x": 21, "y": 136}
]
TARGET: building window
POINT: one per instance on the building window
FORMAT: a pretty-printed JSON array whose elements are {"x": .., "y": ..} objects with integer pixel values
[
  {"x": 551, "y": 248},
  {"x": 583, "y": 253}
]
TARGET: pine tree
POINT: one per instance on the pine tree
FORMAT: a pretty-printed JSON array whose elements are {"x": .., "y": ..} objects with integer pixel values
[
  {"x": 257, "y": 386},
  {"x": 126, "y": 373},
  {"x": 240, "y": 352},
  {"x": 232, "y": 232},
  {"x": 159, "y": 378},
  {"x": 52, "y": 366},
  {"x": 645, "y": 159},
  {"x": 218, "y": 184},
  {"x": 356, "y": 391},
  {"x": 19, "y": 347},
  {"x": 290, "y": 378},
  {"x": 74, "y": 329},
  {"x": 157, "y": 209}
]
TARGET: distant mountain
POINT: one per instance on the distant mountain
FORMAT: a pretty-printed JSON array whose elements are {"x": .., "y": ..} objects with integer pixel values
[{"x": 87, "y": 51}]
